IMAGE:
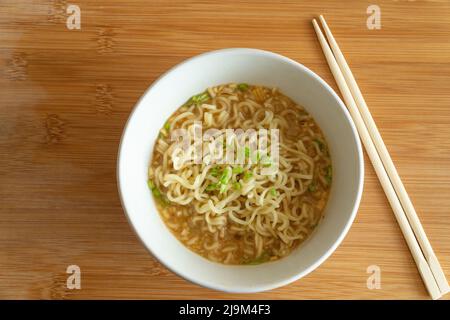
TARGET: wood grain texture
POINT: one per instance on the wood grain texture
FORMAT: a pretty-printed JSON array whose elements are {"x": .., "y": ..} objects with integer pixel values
[{"x": 65, "y": 96}]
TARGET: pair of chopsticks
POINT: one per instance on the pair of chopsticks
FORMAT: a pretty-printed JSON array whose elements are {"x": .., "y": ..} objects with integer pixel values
[{"x": 420, "y": 247}]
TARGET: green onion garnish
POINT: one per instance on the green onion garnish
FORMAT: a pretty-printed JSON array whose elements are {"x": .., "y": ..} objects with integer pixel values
[
  {"x": 242, "y": 86},
  {"x": 157, "y": 194},
  {"x": 215, "y": 171},
  {"x": 329, "y": 175},
  {"x": 262, "y": 258},
  {"x": 211, "y": 187},
  {"x": 258, "y": 156},
  {"x": 223, "y": 180},
  {"x": 237, "y": 186},
  {"x": 248, "y": 175},
  {"x": 226, "y": 175},
  {"x": 247, "y": 152},
  {"x": 200, "y": 98},
  {"x": 167, "y": 126},
  {"x": 320, "y": 144},
  {"x": 266, "y": 161},
  {"x": 238, "y": 170},
  {"x": 273, "y": 192},
  {"x": 312, "y": 187}
]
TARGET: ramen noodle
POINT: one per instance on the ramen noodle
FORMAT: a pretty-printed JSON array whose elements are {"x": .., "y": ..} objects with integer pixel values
[{"x": 233, "y": 213}]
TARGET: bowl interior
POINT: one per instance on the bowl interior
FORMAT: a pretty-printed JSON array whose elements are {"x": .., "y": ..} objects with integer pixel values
[{"x": 254, "y": 67}]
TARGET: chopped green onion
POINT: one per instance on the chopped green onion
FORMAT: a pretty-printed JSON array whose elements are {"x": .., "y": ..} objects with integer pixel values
[
  {"x": 163, "y": 199},
  {"x": 312, "y": 187},
  {"x": 223, "y": 180},
  {"x": 211, "y": 187},
  {"x": 215, "y": 171},
  {"x": 167, "y": 126},
  {"x": 266, "y": 161},
  {"x": 238, "y": 170},
  {"x": 237, "y": 186},
  {"x": 198, "y": 98},
  {"x": 329, "y": 175},
  {"x": 226, "y": 175},
  {"x": 273, "y": 192},
  {"x": 157, "y": 194},
  {"x": 320, "y": 144},
  {"x": 248, "y": 175},
  {"x": 247, "y": 154},
  {"x": 258, "y": 260},
  {"x": 201, "y": 97},
  {"x": 242, "y": 86}
]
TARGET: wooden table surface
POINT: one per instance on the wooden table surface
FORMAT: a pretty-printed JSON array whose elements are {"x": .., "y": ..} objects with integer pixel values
[{"x": 65, "y": 96}]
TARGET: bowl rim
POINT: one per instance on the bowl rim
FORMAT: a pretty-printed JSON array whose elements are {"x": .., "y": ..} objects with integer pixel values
[{"x": 356, "y": 203}]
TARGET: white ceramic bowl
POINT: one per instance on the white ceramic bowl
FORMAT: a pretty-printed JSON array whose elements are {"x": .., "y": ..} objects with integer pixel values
[{"x": 254, "y": 67}]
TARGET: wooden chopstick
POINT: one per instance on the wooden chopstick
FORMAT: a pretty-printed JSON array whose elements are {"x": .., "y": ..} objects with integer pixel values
[
  {"x": 387, "y": 162},
  {"x": 388, "y": 188}
]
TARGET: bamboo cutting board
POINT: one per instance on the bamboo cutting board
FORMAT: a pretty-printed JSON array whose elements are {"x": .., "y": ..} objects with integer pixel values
[{"x": 65, "y": 96}]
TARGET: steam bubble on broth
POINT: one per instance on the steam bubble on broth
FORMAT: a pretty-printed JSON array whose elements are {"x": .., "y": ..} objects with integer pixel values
[{"x": 232, "y": 213}]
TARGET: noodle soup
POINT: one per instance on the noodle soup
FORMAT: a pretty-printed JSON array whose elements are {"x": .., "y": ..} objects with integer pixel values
[{"x": 233, "y": 213}]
